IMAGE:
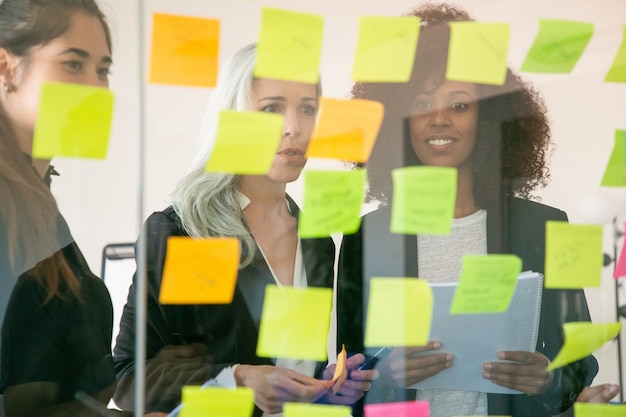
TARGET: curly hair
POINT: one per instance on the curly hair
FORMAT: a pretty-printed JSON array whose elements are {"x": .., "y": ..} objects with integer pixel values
[{"x": 513, "y": 132}]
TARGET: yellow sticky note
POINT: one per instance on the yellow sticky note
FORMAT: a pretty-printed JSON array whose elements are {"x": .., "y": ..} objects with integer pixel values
[
  {"x": 73, "y": 121},
  {"x": 332, "y": 202},
  {"x": 478, "y": 52},
  {"x": 558, "y": 46},
  {"x": 295, "y": 323},
  {"x": 245, "y": 142},
  {"x": 290, "y": 46},
  {"x": 617, "y": 72},
  {"x": 582, "y": 339},
  {"x": 599, "y": 410},
  {"x": 399, "y": 312},
  {"x": 217, "y": 401},
  {"x": 200, "y": 271},
  {"x": 385, "y": 49},
  {"x": 315, "y": 410},
  {"x": 423, "y": 200},
  {"x": 184, "y": 50},
  {"x": 346, "y": 129},
  {"x": 615, "y": 172},
  {"x": 487, "y": 284},
  {"x": 574, "y": 256}
]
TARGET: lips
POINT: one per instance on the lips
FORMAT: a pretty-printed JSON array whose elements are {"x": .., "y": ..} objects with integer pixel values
[
  {"x": 440, "y": 142},
  {"x": 291, "y": 154}
]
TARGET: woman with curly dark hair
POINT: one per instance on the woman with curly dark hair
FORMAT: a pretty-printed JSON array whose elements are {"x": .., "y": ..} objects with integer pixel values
[{"x": 498, "y": 139}]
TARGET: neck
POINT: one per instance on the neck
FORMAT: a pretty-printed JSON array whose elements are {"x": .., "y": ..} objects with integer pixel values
[
  {"x": 465, "y": 204},
  {"x": 25, "y": 142},
  {"x": 264, "y": 195}
]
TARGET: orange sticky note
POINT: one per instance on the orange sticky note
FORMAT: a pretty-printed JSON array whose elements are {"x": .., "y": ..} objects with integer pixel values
[
  {"x": 341, "y": 370},
  {"x": 346, "y": 129},
  {"x": 200, "y": 271},
  {"x": 184, "y": 50}
]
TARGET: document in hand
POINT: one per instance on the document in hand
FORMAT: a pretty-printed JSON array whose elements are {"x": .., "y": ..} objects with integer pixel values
[{"x": 474, "y": 339}]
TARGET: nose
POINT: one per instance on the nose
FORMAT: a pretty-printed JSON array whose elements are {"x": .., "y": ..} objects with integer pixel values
[
  {"x": 292, "y": 124},
  {"x": 92, "y": 78},
  {"x": 440, "y": 116}
]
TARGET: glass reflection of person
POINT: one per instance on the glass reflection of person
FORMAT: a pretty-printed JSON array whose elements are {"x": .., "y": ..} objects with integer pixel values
[
  {"x": 191, "y": 344},
  {"x": 498, "y": 139}
]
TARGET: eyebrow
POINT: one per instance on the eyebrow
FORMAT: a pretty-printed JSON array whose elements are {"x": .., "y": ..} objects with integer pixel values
[
  {"x": 280, "y": 98},
  {"x": 84, "y": 54}
]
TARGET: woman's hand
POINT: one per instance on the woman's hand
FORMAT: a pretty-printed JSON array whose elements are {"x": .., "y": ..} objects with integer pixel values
[
  {"x": 598, "y": 394},
  {"x": 274, "y": 386},
  {"x": 355, "y": 386},
  {"x": 406, "y": 369},
  {"x": 526, "y": 371}
]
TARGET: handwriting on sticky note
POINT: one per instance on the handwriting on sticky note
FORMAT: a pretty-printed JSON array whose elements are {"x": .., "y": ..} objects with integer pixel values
[
  {"x": 582, "y": 339},
  {"x": 423, "y": 200},
  {"x": 599, "y": 410},
  {"x": 245, "y": 142},
  {"x": 200, "y": 271},
  {"x": 217, "y": 401},
  {"x": 346, "y": 129},
  {"x": 398, "y": 409},
  {"x": 332, "y": 202},
  {"x": 558, "y": 46},
  {"x": 290, "y": 46},
  {"x": 73, "y": 121},
  {"x": 399, "y": 312},
  {"x": 487, "y": 284},
  {"x": 617, "y": 72},
  {"x": 574, "y": 256},
  {"x": 478, "y": 52},
  {"x": 615, "y": 171},
  {"x": 295, "y": 323},
  {"x": 184, "y": 50},
  {"x": 385, "y": 49},
  {"x": 315, "y": 410}
]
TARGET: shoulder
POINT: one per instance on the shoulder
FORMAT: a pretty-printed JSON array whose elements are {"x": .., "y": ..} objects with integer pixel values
[
  {"x": 535, "y": 210},
  {"x": 164, "y": 223}
]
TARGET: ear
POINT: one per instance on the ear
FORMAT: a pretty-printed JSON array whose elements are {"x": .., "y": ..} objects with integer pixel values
[{"x": 8, "y": 63}]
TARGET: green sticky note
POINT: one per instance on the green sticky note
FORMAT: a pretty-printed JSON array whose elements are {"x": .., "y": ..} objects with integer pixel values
[
  {"x": 582, "y": 339},
  {"x": 217, "y": 401},
  {"x": 290, "y": 46},
  {"x": 332, "y": 202},
  {"x": 574, "y": 256},
  {"x": 615, "y": 172},
  {"x": 478, "y": 52},
  {"x": 399, "y": 312},
  {"x": 315, "y": 410},
  {"x": 385, "y": 49},
  {"x": 617, "y": 72},
  {"x": 558, "y": 46},
  {"x": 73, "y": 121},
  {"x": 423, "y": 200},
  {"x": 295, "y": 323},
  {"x": 487, "y": 284},
  {"x": 245, "y": 142},
  {"x": 599, "y": 410}
]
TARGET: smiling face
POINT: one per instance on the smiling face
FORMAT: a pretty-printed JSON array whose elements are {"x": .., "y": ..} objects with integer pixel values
[
  {"x": 443, "y": 125},
  {"x": 81, "y": 55},
  {"x": 297, "y": 103}
]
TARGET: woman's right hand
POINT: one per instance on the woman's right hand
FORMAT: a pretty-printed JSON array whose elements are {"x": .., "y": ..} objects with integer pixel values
[
  {"x": 598, "y": 394},
  {"x": 275, "y": 386},
  {"x": 406, "y": 369}
]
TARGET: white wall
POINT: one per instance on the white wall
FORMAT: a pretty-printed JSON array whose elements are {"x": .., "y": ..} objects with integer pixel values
[{"x": 100, "y": 198}]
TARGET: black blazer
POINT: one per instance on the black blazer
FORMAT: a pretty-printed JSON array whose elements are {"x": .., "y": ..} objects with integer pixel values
[
  {"x": 229, "y": 332},
  {"x": 517, "y": 227}
]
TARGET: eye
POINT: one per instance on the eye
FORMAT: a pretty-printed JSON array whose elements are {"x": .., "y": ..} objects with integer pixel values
[
  {"x": 422, "y": 105},
  {"x": 271, "y": 108},
  {"x": 459, "y": 107},
  {"x": 74, "y": 65},
  {"x": 104, "y": 72},
  {"x": 308, "y": 110}
]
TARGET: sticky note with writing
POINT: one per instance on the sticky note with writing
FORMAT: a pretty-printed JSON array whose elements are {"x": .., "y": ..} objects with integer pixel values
[
  {"x": 217, "y": 401},
  {"x": 574, "y": 256},
  {"x": 399, "y": 312},
  {"x": 582, "y": 339},
  {"x": 487, "y": 284},
  {"x": 290, "y": 46},
  {"x": 332, "y": 202},
  {"x": 185, "y": 50},
  {"x": 615, "y": 172},
  {"x": 558, "y": 46},
  {"x": 200, "y": 271},
  {"x": 423, "y": 200},
  {"x": 315, "y": 410},
  {"x": 385, "y": 48},
  {"x": 599, "y": 410},
  {"x": 73, "y": 121},
  {"x": 295, "y": 323},
  {"x": 617, "y": 72},
  {"x": 245, "y": 142},
  {"x": 478, "y": 52},
  {"x": 399, "y": 409},
  {"x": 346, "y": 129}
]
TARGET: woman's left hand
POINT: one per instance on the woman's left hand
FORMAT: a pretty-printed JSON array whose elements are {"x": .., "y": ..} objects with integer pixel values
[
  {"x": 526, "y": 371},
  {"x": 355, "y": 386}
]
